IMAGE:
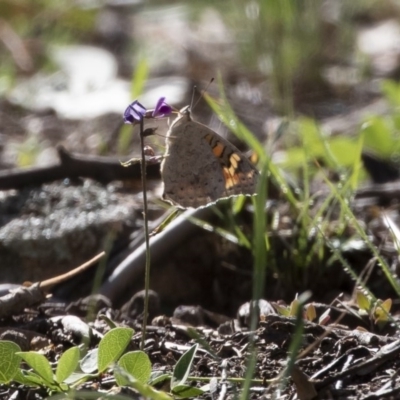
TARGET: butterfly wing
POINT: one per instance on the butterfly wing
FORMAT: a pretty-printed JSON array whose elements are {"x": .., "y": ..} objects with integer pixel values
[
  {"x": 200, "y": 167},
  {"x": 191, "y": 174},
  {"x": 240, "y": 175}
]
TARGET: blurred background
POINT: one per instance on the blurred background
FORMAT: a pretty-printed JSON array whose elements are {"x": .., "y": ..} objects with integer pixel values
[
  {"x": 69, "y": 68},
  {"x": 311, "y": 79}
]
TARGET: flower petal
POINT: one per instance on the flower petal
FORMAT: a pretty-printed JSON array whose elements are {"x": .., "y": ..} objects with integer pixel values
[
  {"x": 134, "y": 113},
  {"x": 162, "y": 108}
]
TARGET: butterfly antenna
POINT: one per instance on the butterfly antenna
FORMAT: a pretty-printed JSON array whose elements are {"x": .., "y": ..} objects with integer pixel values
[
  {"x": 201, "y": 93},
  {"x": 192, "y": 100}
]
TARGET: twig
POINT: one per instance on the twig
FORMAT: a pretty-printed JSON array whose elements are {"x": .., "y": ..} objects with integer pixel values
[
  {"x": 23, "y": 297},
  {"x": 379, "y": 395},
  {"x": 386, "y": 353},
  {"x": 389, "y": 389},
  {"x": 76, "y": 271},
  {"x": 101, "y": 169},
  {"x": 383, "y": 191},
  {"x": 224, "y": 376},
  {"x": 319, "y": 339}
]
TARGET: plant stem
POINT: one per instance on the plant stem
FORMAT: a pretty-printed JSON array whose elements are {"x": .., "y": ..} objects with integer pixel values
[
  {"x": 146, "y": 238},
  {"x": 232, "y": 380}
]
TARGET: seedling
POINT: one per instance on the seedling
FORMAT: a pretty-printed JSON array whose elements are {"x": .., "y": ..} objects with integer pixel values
[
  {"x": 309, "y": 311},
  {"x": 130, "y": 369},
  {"x": 377, "y": 310}
]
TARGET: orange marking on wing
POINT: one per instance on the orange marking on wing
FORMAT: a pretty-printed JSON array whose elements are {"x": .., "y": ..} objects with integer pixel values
[
  {"x": 228, "y": 179},
  {"x": 254, "y": 158},
  {"x": 234, "y": 159},
  {"x": 231, "y": 177},
  {"x": 218, "y": 149}
]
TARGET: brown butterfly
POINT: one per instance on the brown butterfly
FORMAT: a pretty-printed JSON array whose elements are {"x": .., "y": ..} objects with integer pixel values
[{"x": 200, "y": 167}]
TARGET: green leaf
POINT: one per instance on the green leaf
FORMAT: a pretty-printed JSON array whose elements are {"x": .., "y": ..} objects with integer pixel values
[
  {"x": 344, "y": 150},
  {"x": 292, "y": 158},
  {"x": 243, "y": 241},
  {"x": 168, "y": 219},
  {"x": 357, "y": 164},
  {"x": 182, "y": 367},
  {"x": 378, "y": 136},
  {"x": 149, "y": 392},
  {"x": 362, "y": 301},
  {"x": 111, "y": 324},
  {"x": 396, "y": 126},
  {"x": 158, "y": 377},
  {"x": 387, "y": 305},
  {"x": 144, "y": 389},
  {"x": 203, "y": 342},
  {"x": 138, "y": 81},
  {"x": 184, "y": 391},
  {"x": 312, "y": 138},
  {"x": 29, "y": 378},
  {"x": 112, "y": 346},
  {"x": 39, "y": 363},
  {"x": 67, "y": 364},
  {"x": 96, "y": 395},
  {"x": 238, "y": 204},
  {"x": 260, "y": 245},
  {"x": 310, "y": 312},
  {"x": 294, "y": 307},
  {"x": 282, "y": 310},
  {"x": 79, "y": 376},
  {"x": 391, "y": 90},
  {"x": 124, "y": 139},
  {"x": 137, "y": 364},
  {"x": 9, "y": 361},
  {"x": 335, "y": 151},
  {"x": 139, "y": 78},
  {"x": 382, "y": 310}
]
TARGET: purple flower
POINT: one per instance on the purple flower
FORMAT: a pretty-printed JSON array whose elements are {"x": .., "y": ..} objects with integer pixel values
[
  {"x": 162, "y": 108},
  {"x": 134, "y": 113}
]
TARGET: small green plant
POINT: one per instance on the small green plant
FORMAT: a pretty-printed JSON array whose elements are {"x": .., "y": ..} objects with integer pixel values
[
  {"x": 67, "y": 373},
  {"x": 309, "y": 311},
  {"x": 377, "y": 310},
  {"x": 381, "y": 132},
  {"x": 41, "y": 374},
  {"x": 9, "y": 361},
  {"x": 287, "y": 311},
  {"x": 130, "y": 369},
  {"x": 181, "y": 373}
]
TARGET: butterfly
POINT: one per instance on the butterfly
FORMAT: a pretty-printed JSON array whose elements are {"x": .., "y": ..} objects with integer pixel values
[{"x": 200, "y": 167}]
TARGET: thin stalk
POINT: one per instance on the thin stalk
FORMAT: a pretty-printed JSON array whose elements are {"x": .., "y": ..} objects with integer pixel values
[
  {"x": 260, "y": 241},
  {"x": 146, "y": 237}
]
